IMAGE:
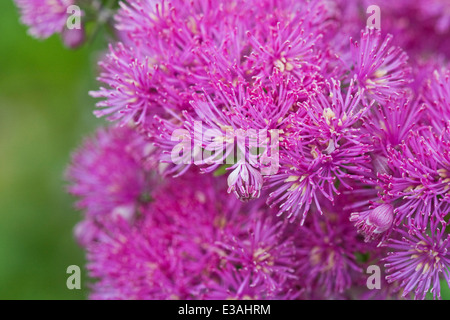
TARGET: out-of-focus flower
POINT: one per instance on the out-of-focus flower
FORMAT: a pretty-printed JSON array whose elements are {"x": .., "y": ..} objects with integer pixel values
[
  {"x": 73, "y": 38},
  {"x": 437, "y": 97},
  {"x": 107, "y": 173},
  {"x": 189, "y": 243},
  {"x": 326, "y": 253},
  {"x": 44, "y": 17},
  {"x": 321, "y": 147}
]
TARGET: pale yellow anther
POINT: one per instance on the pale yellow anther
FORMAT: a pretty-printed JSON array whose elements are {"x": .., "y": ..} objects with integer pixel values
[
  {"x": 328, "y": 114},
  {"x": 380, "y": 73},
  {"x": 280, "y": 65},
  {"x": 419, "y": 266},
  {"x": 292, "y": 178},
  {"x": 289, "y": 66},
  {"x": 443, "y": 173},
  {"x": 314, "y": 152}
]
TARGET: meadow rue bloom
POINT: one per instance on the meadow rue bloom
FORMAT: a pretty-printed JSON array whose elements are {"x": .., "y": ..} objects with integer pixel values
[
  {"x": 421, "y": 27},
  {"x": 323, "y": 147},
  {"x": 206, "y": 78},
  {"x": 381, "y": 68},
  {"x": 179, "y": 248},
  {"x": 417, "y": 260},
  {"x": 388, "y": 124},
  {"x": 270, "y": 103},
  {"x": 291, "y": 47},
  {"x": 437, "y": 97},
  {"x": 421, "y": 185},
  {"x": 73, "y": 38},
  {"x": 134, "y": 91},
  {"x": 107, "y": 173},
  {"x": 44, "y": 17},
  {"x": 264, "y": 251},
  {"x": 326, "y": 253},
  {"x": 239, "y": 128}
]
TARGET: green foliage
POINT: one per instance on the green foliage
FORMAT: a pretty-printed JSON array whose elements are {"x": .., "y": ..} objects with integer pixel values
[{"x": 45, "y": 111}]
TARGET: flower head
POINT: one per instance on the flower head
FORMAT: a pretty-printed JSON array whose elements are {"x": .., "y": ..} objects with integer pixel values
[
  {"x": 437, "y": 97},
  {"x": 192, "y": 243},
  {"x": 417, "y": 260},
  {"x": 108, "y": 173},
  {"x": 420, "y": 184},
  {"x": 326, "y": 257},
  {"x": 44, "y": 17},
  {"x": 381, "y": 68},
  {"x": 135, "y": 90}
]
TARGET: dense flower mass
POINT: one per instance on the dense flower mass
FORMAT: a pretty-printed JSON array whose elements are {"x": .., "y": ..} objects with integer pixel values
[
  {"x": 266, "y": 149},
  {"x": 231, "y": 251}
]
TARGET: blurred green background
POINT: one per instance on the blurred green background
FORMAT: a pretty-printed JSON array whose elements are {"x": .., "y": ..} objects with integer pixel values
[{"x": 45, "y": 111}]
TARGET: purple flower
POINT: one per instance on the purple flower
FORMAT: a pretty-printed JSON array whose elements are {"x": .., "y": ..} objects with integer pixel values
[
  {"x": 192, "y": 243},
  {"x": 291, "y": 43},
  {"x": 262, "y": 249},
  {"x": 390, "y": 122},
  {"x": 326, "y": 247},
  {"x": 322, "y": 146},
  {"x": 374, "y": 222},
  {"x": 107, "y": 173},
  {"x": 381, "y": 68},
  {"x": 44, "y": 17},
  {"x": 238, "y": 128},
  {"x": 271, "y": 105},
  {"x": 421, "y": 184},
  {"x": 418, "y": 259},
  {"x": 420, "y": 28},
  {"x": 135, "y": 93},
  {"x": 73, "y": 38},
  {"x": 437, "y": 97}
]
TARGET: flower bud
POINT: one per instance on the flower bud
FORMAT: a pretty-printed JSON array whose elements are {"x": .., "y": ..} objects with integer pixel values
[
  {"x": 372, "y": 223},
  {"x": 73, "y": 38}
]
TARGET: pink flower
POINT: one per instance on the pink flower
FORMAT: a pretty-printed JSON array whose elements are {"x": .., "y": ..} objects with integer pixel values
[
  {"x": 416, "y": 260},
  {"x": 107, "y": 173},
  {"x": 381, "y": 68},
  {"x": 44, "y": 17},
  {"x": 375, "y": 221}
]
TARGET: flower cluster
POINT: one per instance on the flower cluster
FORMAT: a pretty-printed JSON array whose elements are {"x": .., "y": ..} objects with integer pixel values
[
  {"x": 267, "y": 150},
  {"x": 68, "y": 18}
]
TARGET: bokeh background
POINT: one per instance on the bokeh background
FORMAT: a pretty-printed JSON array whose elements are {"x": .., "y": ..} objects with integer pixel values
[{"x": 45, "y": 111}]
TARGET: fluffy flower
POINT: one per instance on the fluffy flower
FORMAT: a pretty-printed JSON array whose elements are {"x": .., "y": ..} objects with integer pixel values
[
  {"x": 358, "y": 150},
  {"x": 417, "y": 260},
  {"x": 179, "y": 248},
  {"x": 239, "y": 128},
  {"x": 437, "y": 97},
  {"x": 44, "y": 17},
  {"x": 326, "y": 256},
  {"x": 135, "y": 92},
  {"x": 421, "y": 186},
  {"x": 381, "y": 68},
  {"x": 322, "y": 147},
  {"x": 107, "y": 173}
]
